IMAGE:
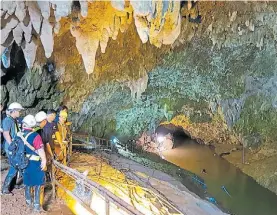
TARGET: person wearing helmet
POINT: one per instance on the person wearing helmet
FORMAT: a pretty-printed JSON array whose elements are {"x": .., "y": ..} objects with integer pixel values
[
  {"x": 61, "y": 108},
  {"x": 3, "y": 116},
  {"x": 47, "y": 132},
  {"x": 47, "y": 137},
  {"x": 34, "y": 174},
  {"x": 10, "y": 129},
  {"x": 61, "y": 137},
  {"x": 45, "y": 122},
  {"x": 41, "y": 119}
]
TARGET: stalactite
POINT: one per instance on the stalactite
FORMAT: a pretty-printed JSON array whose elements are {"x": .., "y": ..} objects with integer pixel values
[
  {"x": 35, "y": 15},
  {"x": 22, "y": 17},
  {"x": 46, "y": 37},
  {"x": 18, "y": 34},
  {"x": 137, "y": 87},
  {"x": 158, "y": 22},
  {"x": 29, "y": 50}
]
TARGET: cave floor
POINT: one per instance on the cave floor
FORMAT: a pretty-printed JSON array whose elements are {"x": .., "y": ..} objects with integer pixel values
[{"x": 15, "y": 204}]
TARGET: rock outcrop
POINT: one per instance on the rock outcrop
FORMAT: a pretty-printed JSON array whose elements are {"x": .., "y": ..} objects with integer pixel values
[{"x": 35, "y": 88}]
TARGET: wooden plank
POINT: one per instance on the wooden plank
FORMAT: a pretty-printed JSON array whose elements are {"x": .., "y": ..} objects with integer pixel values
[
  {"x": 130, "y": 209},
  {"x": 75, "y": 198}
]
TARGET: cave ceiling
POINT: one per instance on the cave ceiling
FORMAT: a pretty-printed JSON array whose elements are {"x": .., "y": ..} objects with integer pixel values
[
  {"x": 94, "y": 42},
  {"x": 35, "y": 24}
]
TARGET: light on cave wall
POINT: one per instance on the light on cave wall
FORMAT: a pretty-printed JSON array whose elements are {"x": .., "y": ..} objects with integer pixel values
[
  {"x": 160, "y": 139},
  {"x": 114, "y": 141}
]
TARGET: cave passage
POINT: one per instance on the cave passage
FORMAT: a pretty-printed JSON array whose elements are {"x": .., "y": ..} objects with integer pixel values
[
  {"x": 186, "y": 82},
  {"x": 176, "y": 134}
]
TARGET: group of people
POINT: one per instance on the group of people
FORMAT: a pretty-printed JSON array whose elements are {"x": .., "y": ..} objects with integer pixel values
[{"x": 44, "y": 136}]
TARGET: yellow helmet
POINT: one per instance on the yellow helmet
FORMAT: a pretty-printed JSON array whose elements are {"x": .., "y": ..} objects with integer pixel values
[{"x": 63, "y": 114}]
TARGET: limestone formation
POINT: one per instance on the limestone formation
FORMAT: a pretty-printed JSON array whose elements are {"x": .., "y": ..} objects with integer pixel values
[
  {"x": 20, "y": 11},
  {"x": 84, "y": 7},
  {"x": 18, "y": 34},
  {"x": 27, "y": 29},
  {"x": 216, "y": 77},
  {"x": 34, "y": 18},
  {"x": 29, "y": 50},
  {"x": 6, "y": 30},
  {"x": 35, "y": 15},
  {"x": 46, "y": 37},
  {"x": 138, "y": 87},
  {"x": 44, "y": 8}
]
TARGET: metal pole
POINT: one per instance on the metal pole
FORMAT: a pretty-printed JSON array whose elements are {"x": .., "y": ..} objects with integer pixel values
[{"x": 243, "y": 154}]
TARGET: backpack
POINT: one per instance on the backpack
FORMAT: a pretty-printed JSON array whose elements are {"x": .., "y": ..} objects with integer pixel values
[{"x": 18, "y": 158}]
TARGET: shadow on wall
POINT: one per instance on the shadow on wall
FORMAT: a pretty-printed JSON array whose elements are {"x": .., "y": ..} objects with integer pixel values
[{"x": 178, "y": 135}]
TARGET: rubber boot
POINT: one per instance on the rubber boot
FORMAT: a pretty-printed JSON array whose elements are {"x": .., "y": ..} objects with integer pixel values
[
  {"x": 41, "y": 195},
  {"x": 6, "y": 185},
  {"x": 37, "y": 204},
  {"x": 28, "y": 196}
]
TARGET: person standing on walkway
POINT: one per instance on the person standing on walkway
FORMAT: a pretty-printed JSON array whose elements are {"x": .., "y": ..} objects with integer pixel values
[
  {"x": 3, "y": 116},
  {"x": 62, "y": 108},
  {"x": 61, "y": 142},
  {"x": 34, "y": 174},
  {"x": 10, "y": 129},
  {"x": 47, "y": 133},
  {"x": 41, "y": 122}
]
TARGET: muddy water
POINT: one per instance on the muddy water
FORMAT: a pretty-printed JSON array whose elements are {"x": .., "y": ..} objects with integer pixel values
[{"x": 246, "y": 196}]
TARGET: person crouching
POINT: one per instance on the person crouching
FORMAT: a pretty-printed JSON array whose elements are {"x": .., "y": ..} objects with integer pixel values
[{"x": 34, "y": 174}]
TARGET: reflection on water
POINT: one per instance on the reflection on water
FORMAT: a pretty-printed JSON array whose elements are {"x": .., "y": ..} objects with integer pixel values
[{"x": 247, "y": 196}]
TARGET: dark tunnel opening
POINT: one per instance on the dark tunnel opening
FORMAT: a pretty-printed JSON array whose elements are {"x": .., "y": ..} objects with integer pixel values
[{"x": 177, "y": 133}]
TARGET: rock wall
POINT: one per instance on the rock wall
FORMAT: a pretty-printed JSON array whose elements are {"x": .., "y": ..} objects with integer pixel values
[
  {"x": 218, "y": 81},
  {"x": 36, "y": 89}
]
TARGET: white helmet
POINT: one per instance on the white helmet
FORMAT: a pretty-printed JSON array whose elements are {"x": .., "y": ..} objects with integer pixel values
[
  {"x": 40, "y": 116},
  {"x": 29, "y": 121},
  {"x": 15, "y": 106}
]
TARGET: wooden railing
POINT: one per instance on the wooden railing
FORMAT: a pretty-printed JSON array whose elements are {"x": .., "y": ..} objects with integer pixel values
[
  {"x": 91, "y": 141},
  {"x": 108, "y": 196}
]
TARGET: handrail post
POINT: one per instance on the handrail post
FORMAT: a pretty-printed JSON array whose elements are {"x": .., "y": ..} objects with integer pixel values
[{"x": 107, "y": 206}]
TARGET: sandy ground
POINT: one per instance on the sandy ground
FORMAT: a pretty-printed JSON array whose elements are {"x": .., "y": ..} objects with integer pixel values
[{"x": 15, "y": 204}]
